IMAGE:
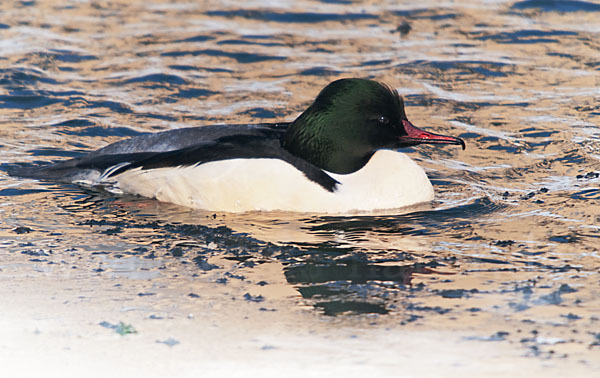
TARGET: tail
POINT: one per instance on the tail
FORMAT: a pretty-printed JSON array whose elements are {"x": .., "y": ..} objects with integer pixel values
[{"x": 65, "y": 171}]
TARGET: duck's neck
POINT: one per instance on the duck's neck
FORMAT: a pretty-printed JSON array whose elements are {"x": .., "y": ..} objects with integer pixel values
[{"x": 306, "y": 139}]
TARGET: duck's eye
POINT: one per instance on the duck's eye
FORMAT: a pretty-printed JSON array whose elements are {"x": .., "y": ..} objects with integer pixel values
[{"x": 383, "y": 120}]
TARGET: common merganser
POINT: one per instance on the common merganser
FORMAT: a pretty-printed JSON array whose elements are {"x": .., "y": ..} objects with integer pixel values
[{"x": 338, "y": 156}]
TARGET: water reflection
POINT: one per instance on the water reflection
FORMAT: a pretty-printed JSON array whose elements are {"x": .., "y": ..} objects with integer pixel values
[{"x": 351, "y": 286}]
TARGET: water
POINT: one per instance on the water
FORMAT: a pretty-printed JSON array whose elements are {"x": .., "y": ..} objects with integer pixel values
[{"x": 510, "y": 247}]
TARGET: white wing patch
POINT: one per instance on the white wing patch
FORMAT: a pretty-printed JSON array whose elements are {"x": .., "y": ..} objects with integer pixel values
[
  {"x": 110, "y": 170},
  {"x": 108, "y": 183}
]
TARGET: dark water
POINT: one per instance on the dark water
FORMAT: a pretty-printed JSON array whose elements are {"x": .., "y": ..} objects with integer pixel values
[{"x": 515, "y": 229}]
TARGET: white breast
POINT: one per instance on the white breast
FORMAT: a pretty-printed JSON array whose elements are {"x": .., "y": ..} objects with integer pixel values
[{"x": 389, "y": 180}]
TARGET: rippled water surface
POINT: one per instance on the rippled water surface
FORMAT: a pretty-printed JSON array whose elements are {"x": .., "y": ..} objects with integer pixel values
[{"x": 510, "y": 250}]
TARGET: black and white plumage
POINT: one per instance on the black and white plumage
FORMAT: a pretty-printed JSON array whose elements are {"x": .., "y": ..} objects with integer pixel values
[{"x": 338, "y": 156}]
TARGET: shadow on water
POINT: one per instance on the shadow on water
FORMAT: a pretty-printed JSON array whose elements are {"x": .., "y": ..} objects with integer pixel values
[
  {"x": 558, "y": 5},
  {"x": 337, "y": 277},
  {"x": 417, "y": 223}
]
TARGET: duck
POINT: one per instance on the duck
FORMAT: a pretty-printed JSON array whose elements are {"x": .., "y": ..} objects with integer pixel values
[{"x": 338, "y": 156}]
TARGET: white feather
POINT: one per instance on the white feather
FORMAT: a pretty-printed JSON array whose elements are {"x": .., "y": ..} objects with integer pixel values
[
  {"x": 389, "y": 180},
  {"x": 108, "y": 171}
]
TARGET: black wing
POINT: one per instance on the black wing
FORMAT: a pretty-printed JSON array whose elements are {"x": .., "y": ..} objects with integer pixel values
[
  {"x": 229, "y": 147},
  {"x": 197, "y": 146}
]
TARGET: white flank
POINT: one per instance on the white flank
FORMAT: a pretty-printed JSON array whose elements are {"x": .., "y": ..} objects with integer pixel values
[{"x": 390, "y": 180}]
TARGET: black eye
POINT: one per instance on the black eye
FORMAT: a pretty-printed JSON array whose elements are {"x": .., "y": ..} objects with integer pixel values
[{"x": 383, "y": 120}]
